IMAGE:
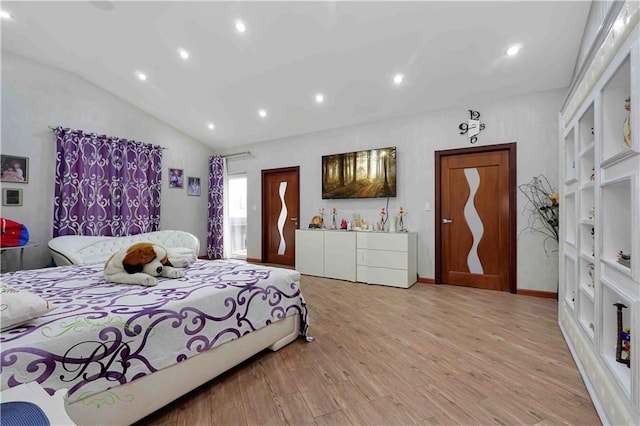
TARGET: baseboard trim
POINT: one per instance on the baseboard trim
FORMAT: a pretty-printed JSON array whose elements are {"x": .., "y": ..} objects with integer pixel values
[
  {"x": 252, "y": 260},
  {"x": 426, "y": 280},
  {"x": 537, "y": 293}
]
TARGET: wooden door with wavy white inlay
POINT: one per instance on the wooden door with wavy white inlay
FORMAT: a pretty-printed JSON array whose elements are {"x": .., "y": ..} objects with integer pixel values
[
  {"x": 475, "y": 213},
  {"x": 280, "y": 210}
]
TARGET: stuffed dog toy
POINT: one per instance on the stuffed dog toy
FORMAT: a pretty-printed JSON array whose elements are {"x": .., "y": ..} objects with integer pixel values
[{"x": 141, "y": 263}]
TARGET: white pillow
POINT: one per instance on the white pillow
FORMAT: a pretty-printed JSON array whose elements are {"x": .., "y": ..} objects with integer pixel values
[{"x": 20, "y": 306}]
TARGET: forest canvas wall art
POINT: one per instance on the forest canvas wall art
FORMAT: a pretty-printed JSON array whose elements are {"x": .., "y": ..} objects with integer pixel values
[{"x": 361, "y": 174}]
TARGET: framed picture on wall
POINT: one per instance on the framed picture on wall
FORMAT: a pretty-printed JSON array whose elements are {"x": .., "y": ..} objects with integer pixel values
[
  {"x": 193, "y": 186},
  {"x": 11, "y": 197},
  {"x": 176, "y": 178},
  {"x": 14, "y": 169}
]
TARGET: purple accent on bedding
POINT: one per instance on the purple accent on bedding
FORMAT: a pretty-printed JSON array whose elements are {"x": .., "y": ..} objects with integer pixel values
[
  {"x": 103, "y": 334},
  {"x": 216, "y": 196},
  {"x": 105, "y": 186}
]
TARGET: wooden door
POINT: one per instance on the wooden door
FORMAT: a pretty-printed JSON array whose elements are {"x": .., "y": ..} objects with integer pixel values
[
  {"x": 280, "y": 209},
  {"x": 475, "y": 220}
]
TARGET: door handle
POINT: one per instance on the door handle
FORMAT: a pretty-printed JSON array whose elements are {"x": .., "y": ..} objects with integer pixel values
[
  {"x": 295, "y": 219},
  {"x": 447, "y": 221}
]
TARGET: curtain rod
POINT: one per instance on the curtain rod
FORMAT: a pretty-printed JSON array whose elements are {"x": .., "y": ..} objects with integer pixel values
[
  {"x": 237, "y": 154},
  {"x": 93, "y": 133}
]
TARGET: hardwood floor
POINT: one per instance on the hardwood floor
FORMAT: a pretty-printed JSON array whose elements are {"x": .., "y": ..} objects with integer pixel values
[{"x": 387, "y": 356}]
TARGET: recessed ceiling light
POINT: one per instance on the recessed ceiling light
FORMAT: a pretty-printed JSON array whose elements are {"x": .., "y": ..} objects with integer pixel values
[
  {"x": 262, "y": 113},
  {"x": 211, "y": 126},
  {"x": 240, "y": 26},
  {"x": 183, "y": 53},
  {"x": 142, "y": 76},
  {"x": 398, "y": 78},
  {"x": 319, "y": 98},
  {"x": 5, "y": 15},
  {"x": 513, "y": 50}
]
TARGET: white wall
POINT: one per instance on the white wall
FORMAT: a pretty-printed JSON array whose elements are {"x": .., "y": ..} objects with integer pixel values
[
  {"x": 35, "y": 96},
  {"x": 531, "y": 121}
]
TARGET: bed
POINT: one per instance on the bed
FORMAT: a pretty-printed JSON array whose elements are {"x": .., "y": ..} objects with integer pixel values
[{"x": 124, "y": 351}]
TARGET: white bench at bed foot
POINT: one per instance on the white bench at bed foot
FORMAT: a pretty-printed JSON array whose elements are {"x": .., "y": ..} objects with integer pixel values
[{"x": 80, "y": 249}]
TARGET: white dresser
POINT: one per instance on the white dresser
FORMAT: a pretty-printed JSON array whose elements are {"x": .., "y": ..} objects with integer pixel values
[
  {"x": 387, "y": 258},
  {"x": 340, "y": 255},
  {"x": 310, "y": 252},
  {"x": 369, "y": 257}
]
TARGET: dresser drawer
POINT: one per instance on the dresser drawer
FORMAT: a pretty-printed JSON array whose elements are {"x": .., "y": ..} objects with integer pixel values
[
  {"x": 389, "y": 277},
  {"x": 383, "y": 241},
  {"x": 383, "y": 259}
]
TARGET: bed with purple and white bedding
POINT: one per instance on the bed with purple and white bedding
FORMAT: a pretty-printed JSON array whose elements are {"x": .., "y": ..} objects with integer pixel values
[{"x": 105, "y": 337}]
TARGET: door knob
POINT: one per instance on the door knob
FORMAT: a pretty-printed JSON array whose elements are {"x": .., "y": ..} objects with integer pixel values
[{"x": 447, "y": 221}]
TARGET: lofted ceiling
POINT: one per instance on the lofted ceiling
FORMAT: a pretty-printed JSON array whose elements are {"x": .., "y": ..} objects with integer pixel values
[{"x": 451, "y": 53}]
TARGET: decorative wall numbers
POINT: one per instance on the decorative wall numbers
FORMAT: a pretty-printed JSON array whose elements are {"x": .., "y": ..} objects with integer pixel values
[{"x": 472, "y": 127}]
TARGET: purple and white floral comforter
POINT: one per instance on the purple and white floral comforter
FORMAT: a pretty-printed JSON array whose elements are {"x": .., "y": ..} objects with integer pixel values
[{"x": 103, "y": 335}]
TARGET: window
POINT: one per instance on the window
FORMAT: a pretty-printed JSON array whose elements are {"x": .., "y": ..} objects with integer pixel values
[{"x": 238, "y": 216}]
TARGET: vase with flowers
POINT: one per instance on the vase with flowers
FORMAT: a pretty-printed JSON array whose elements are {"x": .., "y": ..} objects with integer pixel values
[{"x": 542, "y": 208}]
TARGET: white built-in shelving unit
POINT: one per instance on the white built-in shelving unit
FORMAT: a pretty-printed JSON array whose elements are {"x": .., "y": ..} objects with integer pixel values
[{"x": 600, "y": 216}]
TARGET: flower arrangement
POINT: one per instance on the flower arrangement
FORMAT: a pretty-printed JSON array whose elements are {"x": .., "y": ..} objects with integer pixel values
[
  {"x": 383, "y": 214},
  {"x": 542, "y": 208},
  {"x": 321, "y": 211}
]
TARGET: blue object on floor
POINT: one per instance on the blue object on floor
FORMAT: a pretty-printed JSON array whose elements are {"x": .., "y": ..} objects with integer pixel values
[{"x": 20, "y": 413}]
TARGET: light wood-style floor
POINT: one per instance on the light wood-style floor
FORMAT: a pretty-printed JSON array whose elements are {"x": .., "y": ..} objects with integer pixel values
[{"x": 386, "y": 356}]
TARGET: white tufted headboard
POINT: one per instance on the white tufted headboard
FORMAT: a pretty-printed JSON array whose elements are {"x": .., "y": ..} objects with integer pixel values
[{"x": 78, "y": 249}]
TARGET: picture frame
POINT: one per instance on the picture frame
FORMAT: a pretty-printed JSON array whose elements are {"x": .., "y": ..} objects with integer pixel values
[
  {"x": 176, "y": 178},
  {"x": 193, "y": 186},
  {"x": 14, "y": 169},
  {"x": 361, "y": 174},
  {"x": 11, "y": 197}
]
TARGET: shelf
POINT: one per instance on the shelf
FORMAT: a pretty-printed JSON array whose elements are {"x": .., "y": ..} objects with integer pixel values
[
  {"x": 587, "y": 256},
  {"x": 590, "y": 292},
  {"x": 587, "y": 277},
  {"x": 587, "y": 185},
  {"x": 587, "y": 203},
  {"x": 588, "y": 149},
  {"x": 617, "y": 227},
  {"x": 614, "y": 94},
  {"x": 570, "y": 158},
  {"x": 570, "y": 216},
  {"x": 615, "y": 265},
  {"x": 586, "y": 126},
  {"x": 586, "y": 326},
  {"x": 620, "y": 371},
  {"x": 587, "y": 249},
  {"x": 570, "y": 281},
  {"x": 618, "y": 278},
  {"x": 616, "y": 158},
  {"x": 585, "y": 316}
]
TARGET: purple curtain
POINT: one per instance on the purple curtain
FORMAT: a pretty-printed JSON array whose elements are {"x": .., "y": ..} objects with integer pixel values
[
  {"x": 216, "y": 193},
  {"x": 105, "y": 186}
]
